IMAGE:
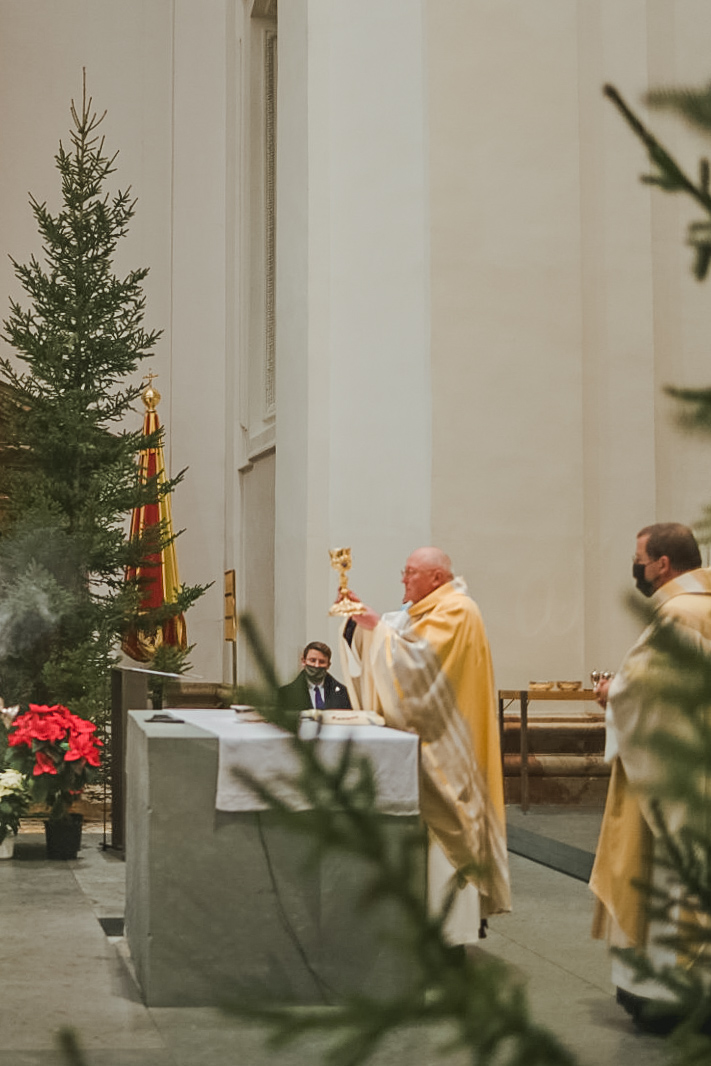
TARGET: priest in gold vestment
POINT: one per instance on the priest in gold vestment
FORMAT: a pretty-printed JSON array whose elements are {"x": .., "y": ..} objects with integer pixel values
[
  {"x": 427, "y": 669},
  {"x": 667, "y": 568}
]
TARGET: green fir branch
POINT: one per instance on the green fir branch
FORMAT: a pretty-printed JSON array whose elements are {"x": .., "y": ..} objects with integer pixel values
[
  {"x": 479, "y": 999},
  {"x": 670, "y": 176}
]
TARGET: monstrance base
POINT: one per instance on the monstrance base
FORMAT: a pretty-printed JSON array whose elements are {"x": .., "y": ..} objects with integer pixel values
[{"x": 346, "y": 608}]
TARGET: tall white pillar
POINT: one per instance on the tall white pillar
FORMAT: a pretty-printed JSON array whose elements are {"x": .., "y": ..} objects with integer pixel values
[{"x": 353, "y": 425}]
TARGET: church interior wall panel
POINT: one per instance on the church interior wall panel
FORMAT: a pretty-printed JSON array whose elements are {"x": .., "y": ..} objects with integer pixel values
[
  {"x": 679, "y": 41},
  {"x": 323, "y": 409},
  {"x": 507, "y": 449},
  {"x": 43, "y": 48},
  {"x": 618, "y": 341},
  {"x": 257, "y": 496},
  {"x": 379, "y": 293},
  {"x": 564, "y": 443},
  {"x": 251, "y": 352},
  {"x": 260, "y": 216},
  {"x": 293, "y": 296},
  {"x": 234, "y": 299},
  {"x": 199, "y": 334}
]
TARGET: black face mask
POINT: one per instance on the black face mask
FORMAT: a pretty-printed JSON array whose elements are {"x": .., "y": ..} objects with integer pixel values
[
  {"x": 644, "y": 586},
  {"x": 315, "y": 674}
]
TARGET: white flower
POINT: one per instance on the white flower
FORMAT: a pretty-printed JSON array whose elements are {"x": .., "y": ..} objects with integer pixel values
[
  {"x": 8, "y": 714},
  {"x": 11, "y": 783}
]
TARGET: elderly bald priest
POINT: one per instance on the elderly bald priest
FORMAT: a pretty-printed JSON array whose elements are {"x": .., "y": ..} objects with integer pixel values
[{"x": 427, "y": 669}]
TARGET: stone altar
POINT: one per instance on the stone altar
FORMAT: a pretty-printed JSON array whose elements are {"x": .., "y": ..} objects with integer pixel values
[{"x": 220, "y": 906}]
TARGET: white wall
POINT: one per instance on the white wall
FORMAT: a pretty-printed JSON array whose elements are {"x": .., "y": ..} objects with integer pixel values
[
  {"x": 126, "y": 50},
  {"x": 562, "y": 303},
  {"x": 201, "y": 403}
]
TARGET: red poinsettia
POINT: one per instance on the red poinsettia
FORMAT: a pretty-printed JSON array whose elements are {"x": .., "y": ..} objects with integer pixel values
[
  {"x": 58, "y": 751},
  {"x": 43, "y": 764}
]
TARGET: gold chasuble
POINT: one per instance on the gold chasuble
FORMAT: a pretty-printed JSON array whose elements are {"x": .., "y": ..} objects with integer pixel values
[
  {"x": 428, "y": 670},
  {"x": 637, "y": 708}
]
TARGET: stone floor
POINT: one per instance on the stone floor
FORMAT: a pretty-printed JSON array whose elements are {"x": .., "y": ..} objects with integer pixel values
[{"x": 59, "y": 968}]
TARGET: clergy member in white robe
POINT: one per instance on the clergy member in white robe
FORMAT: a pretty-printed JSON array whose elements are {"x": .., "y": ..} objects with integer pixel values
[
  {"x": 427, "y": 669},
  {"x": 667, "y": 569}
]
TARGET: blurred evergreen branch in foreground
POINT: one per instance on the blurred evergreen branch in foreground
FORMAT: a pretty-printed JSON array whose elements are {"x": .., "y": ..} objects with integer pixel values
[
  {"x": 679, "y": 676},
  {"x": 667, "y": 173},
  {"x": 694, "y": 107},
  {"x": 480, "y": 997}
]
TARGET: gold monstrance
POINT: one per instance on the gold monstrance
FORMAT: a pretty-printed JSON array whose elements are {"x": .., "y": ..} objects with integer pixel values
[{"x": 345, "y": 605}]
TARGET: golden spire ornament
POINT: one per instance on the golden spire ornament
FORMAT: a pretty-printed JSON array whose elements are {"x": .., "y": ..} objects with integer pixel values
[
  {"x": 157, "y": 574},
  {"x": 346, "y": 604},
  {"x": 150, "y": 396}
]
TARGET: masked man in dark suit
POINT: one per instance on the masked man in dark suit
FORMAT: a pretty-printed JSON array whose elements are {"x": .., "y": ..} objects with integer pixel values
[{"x": 314, "y": 686}]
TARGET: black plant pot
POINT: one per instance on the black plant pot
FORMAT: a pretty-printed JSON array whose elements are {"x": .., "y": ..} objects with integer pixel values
[{"x": 63, "y": 836}]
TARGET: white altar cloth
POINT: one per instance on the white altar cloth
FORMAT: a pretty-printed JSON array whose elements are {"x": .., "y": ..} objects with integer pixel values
[{"x": 262, "y": 749}]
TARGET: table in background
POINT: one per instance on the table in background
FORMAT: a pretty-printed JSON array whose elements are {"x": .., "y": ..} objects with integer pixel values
[{"x": 524, "y": 696}]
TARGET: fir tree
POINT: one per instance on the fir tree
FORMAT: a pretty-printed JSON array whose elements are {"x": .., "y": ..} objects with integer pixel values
[{"x": 68, "y": 475}]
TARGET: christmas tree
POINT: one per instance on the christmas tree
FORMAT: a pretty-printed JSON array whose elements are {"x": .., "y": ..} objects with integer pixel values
[{"x": 68, "y": 476}]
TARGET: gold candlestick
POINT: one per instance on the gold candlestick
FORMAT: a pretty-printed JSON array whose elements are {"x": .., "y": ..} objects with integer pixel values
[{"x": 345, "y": 605}]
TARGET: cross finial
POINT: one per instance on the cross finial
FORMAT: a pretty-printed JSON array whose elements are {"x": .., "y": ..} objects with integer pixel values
[{"x": 151, "y": 396}]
